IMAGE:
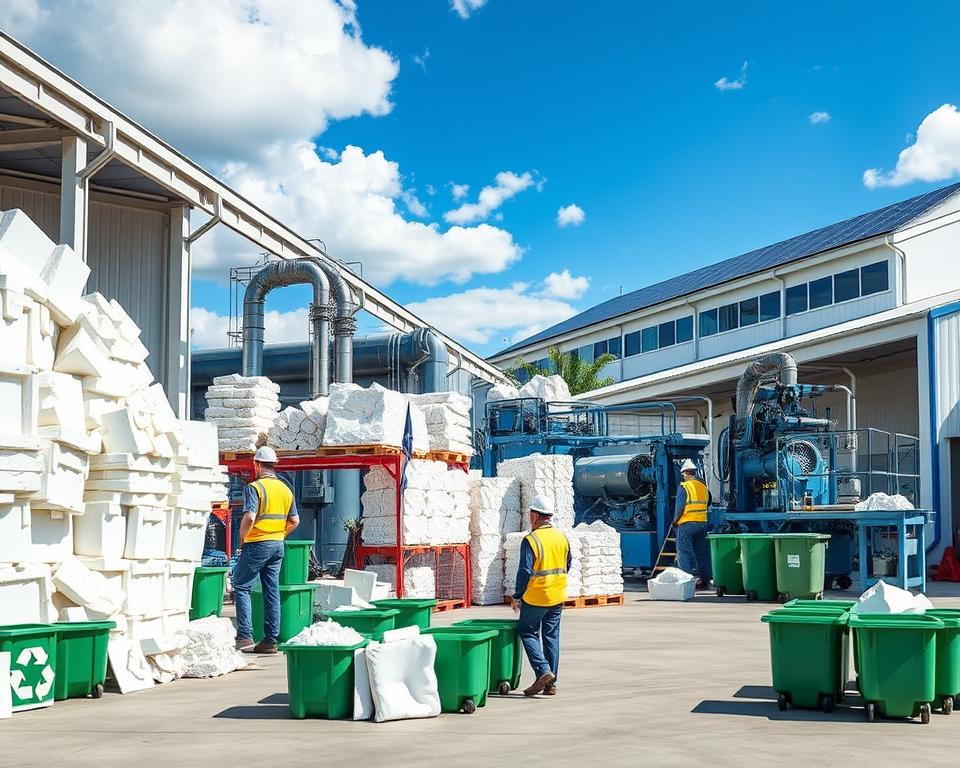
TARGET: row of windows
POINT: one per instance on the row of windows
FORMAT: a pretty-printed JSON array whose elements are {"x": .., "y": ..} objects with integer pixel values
[
  {"x": 844, "y": 286},
  {"x": 757, "y": 309},
  {"x": 590, "y": 352},
  {"x": 658, "y": 336}
]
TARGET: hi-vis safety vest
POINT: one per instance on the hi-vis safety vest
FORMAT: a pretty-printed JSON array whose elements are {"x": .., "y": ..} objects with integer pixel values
[
  {"x": 548, "y": 581},
  {"x": 274, "y": 501},
  {"x": 698, "y": 497}
]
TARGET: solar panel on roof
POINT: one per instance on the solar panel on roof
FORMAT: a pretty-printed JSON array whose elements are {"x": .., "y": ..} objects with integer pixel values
[{"x": 852, "y": 230}]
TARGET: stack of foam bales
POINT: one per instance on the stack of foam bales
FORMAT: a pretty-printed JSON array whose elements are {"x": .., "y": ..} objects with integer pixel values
[
  {"x": 419, "y": 577},
  {"x": 300, "y": 429},
  {"x": 511, "y": 561},
  {"x": 372, "y": 415},
  {"x": 549, "y": 476},
  {"x": 435, "y": 505},
  {"x": 447, "y": 415},
  {"x": 494, "y": 512},
  {"x": 243, "y": 408},
  {"x": 600, "y": 559}
]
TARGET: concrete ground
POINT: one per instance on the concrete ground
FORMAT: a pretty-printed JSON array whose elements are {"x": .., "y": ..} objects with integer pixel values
[{"x": 671, "y": 683}]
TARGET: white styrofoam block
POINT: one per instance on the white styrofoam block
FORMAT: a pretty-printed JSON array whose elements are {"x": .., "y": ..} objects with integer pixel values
[
  {"x": 144, "y": 587},
  {"x": 128, "y": 664},
  {"x": 146, "y": 532},
  {"x": 24, "y": 248},
  {"x": 61, "y": 401},
  {"x": 26, "y": 594},
  {"x": 6, "y": 694},
  {"x": 101, "y": 531},
  {"x": 121, "y": 435},
  {"x": 80, "y": 354},
  {"x": 65, "y": 274},
  {"x": 175, "y": 621},
  {"x": 87, "y": 588},
  {"x": 197, "y": 444},
  {"x": 177, "y": 586},
  {"x": 187, "y": 533},
  {"x": 14, "y": 324},
  {"x": 51, "y": 536},
  {"x": 63, "y": 478},
  {"x": 41, "y": 347},
  {"x": 142, "y": 628},
  {"x": 14, "y": 531},
  {"x": 361, "y": 581},
  {"x": 373, "y": 415},
  {"x": 130, "y": 462},
  {"x": 19, "y": 400}
]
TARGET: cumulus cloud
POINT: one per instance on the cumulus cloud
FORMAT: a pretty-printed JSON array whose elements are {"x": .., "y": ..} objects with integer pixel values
[
  {"x": 352, "y": 205},
  {"x": 209, "y": 329},
  {"x": 933, "y": 156},
  {"x": 459, "y": 191},
  {"x": 507, "y": 184},
  {"x": 570, "y": 216},
  {"x": 563, "y": 285},
  {"x": 737, "y": 84},
  {"x": 816, "y": 118},
  {"x": 217, "y": 79},
  {"x": 464, "y": 8}
]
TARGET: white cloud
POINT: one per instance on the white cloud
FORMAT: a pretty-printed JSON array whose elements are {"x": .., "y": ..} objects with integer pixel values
[
  {"x": 724, "y": 84},
  {"x": 417, "y": 208},
  {"x": 816, "y": 118},
  {"x": 459, "y": 191},
  {"x": 420, "y": 59},
  {"x": 489, "y": 315},
  {"x": 218, "y": 79},
  {"x": 464, "y": 8},
  {"x": 934, "y": 155},
  {"x": 209, "y": 329},
  {"x": 507, "y": 184},
  {"x": 570, "y": 216},
  {"x": 353, "y": 206},
  {"x": 563, "y": 285}
]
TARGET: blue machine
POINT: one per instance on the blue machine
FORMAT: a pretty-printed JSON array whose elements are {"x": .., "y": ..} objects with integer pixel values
[{"x": 628, "y": 482}]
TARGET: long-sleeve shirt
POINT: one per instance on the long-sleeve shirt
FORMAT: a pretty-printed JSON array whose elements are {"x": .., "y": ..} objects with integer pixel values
[
  {"x": 526, "y": 568},
  {"x": 682, "y": 502}
]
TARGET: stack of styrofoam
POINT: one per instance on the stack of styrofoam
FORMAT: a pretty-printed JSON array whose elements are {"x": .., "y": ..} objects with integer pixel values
[
  {"x": 447, "y": 415},
  {"x": 435, "y": 505},
  {"x": 300, "y": 429},
  {"x": 243, "y": 408},
  {"x": 549, "y": 388},
  {"x": 600, "y": 559},
  {"x": 372, "y": 416},
  {"x": 549, "y": 476},
  {"x": 494, "y": 512},
  {"x": 575, "y": 574},
  {"x": 419, "y": 581},
  {"x": 511, "y": 561},
  {"x": 502, "y": 392}
]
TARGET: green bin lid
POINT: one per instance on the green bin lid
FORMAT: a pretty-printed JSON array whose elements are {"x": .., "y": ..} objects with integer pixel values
[
  {"x": 371, "y": 613},
  {"x": 79, "y": 626},
  {"x": 470, "y": 634},
  {"x": 804, "y": 616},
  {"x": 501, "y": 623},
  {"x": 814, "y": 536},
  {"x": 949, "y": 616},
  {"x": 294, "y": 587},
  {"x": 726, "y": 535},
  {"x": 404, "y": 602},
  {"x": 801, "y": 602},
  {"x": 211, "y": 569},
  {"x": 286, "y": 647},
  {"x": 894, "y": 621},
  {"x": 21, "y": 630},
  {"x": 298, "y": 542}
]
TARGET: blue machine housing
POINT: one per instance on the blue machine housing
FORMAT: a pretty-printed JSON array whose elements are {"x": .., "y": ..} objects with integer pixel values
[{"x": 629, "y": 482}]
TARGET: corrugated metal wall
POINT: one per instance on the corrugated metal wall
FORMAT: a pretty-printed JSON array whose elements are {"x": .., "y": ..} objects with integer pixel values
[{"x": 947, "y": 329}]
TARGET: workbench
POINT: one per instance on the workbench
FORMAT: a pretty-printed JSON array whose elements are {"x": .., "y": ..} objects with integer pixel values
[{"x": 908, "y": 524}]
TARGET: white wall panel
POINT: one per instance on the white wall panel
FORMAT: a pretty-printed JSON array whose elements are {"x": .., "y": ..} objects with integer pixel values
[
  {"x": 658, "y": 360},
  {"x": 42, "y": 207},
  {"x": 742, "y": 338}
]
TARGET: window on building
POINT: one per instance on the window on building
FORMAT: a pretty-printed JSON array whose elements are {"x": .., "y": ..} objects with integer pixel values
[
  {"x": 600, "y": 348},
  {"x": 846, "y": 285},
  {"x": 769, "y": 306},
  {"x": 631, "y": 344},
  {"x": 613, "y": 346},
  {"x": 727, "y": 315},
  {"x": 796, "y": 299},
  {"x": 708, "y": 322},
  {"x": 821, "y": 292},
  {"x": 545, "y": 364},
  {"x": 874, "y": 278},
  {"x": 685, "y": 329},
  {"x": 521, "y": 375},
  {"x": 750, "y": 311},
  {"x": 648, "y": 337},
  {"x": 668, "y": 334},
  {"x": 586, "y": 353}
]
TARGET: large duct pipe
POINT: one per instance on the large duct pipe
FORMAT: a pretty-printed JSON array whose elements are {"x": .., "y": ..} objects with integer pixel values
[
  {"x": 750, "y": 380},
  {"x": 277, "y": 274},
  {"x": 344, "y": 323},
  {"x": 431, "y": 366}
]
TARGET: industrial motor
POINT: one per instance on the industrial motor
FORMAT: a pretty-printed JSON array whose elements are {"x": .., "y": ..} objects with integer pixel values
[{"x": 620, "y": 476}]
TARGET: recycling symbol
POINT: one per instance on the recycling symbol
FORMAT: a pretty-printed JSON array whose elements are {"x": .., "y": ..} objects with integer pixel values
[{"x": 29, "y": 660}]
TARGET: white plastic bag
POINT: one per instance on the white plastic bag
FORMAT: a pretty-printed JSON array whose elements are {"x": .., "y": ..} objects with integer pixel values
[
  {"x": 886, "y": 598},
  {"x": 362, "y": 697},
  {"x": 402, "y": 679}
]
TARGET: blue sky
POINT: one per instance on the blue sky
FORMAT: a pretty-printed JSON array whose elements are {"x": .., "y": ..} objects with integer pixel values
[{"x": 613, "y": 107}]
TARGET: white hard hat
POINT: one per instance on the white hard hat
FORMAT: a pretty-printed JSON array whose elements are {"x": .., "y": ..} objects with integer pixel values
[
  {"x": 688, "y": 466},
  {"x": 266, "y": 455},
  {"x": 542, "y": 504}
]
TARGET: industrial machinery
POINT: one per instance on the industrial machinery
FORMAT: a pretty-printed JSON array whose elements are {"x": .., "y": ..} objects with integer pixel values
[{"x": 628, "y": 481}]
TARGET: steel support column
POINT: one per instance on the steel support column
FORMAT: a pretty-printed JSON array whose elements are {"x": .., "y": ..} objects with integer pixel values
[
  {"x": 177, "y": 369},
  {"x": 73, "y": 195}
]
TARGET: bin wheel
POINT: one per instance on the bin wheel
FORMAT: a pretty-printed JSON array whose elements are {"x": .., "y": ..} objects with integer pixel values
[
  {"x": 781, "y": 597},
  {"x": 97, "y": 691},
  {"x": 924, "y": 713},
  {"x": 871, "y": 711},
  {"x": 828, "y": 704},
  {"x": 947, "y": 705},
  {"x": 503, "y": 689},
  {"x": 469, "y": 707},
  {"x": 782, "y": 702},
  {"x": 751, "y": 596},
  {"x": 844, "y": 582},
  {"x": 720, "y": 592}
]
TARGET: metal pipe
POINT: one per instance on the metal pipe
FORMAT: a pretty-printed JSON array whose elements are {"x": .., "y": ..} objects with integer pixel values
[
  {"x": 275, "y": 275},
  {"x": 903, "y": 267},
  {"x": 749, "y": 382},
  {"x": 344, "y": 324}
]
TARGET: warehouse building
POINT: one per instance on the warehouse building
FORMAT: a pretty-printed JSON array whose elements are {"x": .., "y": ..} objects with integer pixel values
[
  {"x": 872, "y": 303},
  {"x": 124, "y": 200}
]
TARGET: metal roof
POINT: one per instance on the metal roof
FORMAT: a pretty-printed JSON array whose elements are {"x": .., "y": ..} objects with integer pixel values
[{"x": 862, "y": 227}]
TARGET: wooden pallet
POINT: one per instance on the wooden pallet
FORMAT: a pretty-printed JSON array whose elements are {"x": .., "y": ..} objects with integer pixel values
[
  {"x": 587, "y": 601},
  {"x": 450, "y": 457},
  {"x": 450, "y": 605},
  {"x": 330, "y": 450}
]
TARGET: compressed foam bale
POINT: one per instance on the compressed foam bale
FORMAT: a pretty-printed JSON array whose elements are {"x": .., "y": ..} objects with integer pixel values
[
  {"x": 14, "y": 529},
  {"x": 495, "y": 505},
  {"x": 146, "y": 532},
  {"x": 544, "y": 475},
  {"x": 373, "y": 415},
  {"x": 197, "y": 444},
  {"x": 26, "y": 594},
  {"x": 237, "y": 380},
  {"x": 452, "y": 401},
  {"x": 101, "y": 531}
]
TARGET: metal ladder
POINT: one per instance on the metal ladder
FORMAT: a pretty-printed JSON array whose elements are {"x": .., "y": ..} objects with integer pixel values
[{"x": 668, "y": 550}]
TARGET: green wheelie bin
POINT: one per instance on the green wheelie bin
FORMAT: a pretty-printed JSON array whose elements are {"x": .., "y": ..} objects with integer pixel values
[
  {"x": 725, "y": 561},
  {"x": 411, "y": 611},
  {"x": 367, "y": 621},
  {"x": 506, "y": 653},
  {"x": 296, "y": 610},
  {"x": 808, "y": 655},
  {"x": 320, "y": 680},
  {"x": 81, "y": 667},
  {"x": 462, "y": 666},
  {"x": 948, "y": 658},
  {"x": 759, "y": 566},
  {"x": 898, "y": 663},
  {"x": 800, "y": 564},
  {"x": 33, "y": 663},
  {"x": 295, "y": 567},
  {"x": 209, "y": 585}
]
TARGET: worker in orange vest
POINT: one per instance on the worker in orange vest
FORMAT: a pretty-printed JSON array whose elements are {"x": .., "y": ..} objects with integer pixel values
[{"x": 690, "y": 520}]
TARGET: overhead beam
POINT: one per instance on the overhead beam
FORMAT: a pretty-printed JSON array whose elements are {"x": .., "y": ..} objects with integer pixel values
[
  {"x": 20, "y": 139},
  {"x": 36, "y": 122},
  {"x": 32, "y": 80}
]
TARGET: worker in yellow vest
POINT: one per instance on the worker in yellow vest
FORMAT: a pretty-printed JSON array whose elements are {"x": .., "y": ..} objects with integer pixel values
[
  {"x": 540, "y": 594},
  {"x": 690, "y": 519},
  {"x": 269, "y": 516}
]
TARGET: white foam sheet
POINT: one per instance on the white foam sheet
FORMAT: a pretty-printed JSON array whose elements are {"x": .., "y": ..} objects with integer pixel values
[
  {"x": 402, "y": 679},
  {"x": 362, "y": 695},
  {"x": 129, "y": 666},
  {"x": 6, "y": 694},
  {"x": 87, "y": 588}
]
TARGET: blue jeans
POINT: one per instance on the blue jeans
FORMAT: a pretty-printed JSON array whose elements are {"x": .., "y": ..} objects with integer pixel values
[
  {"x": 693, "y": 550},
  {"x": 536, "y": 623},
  {"x": 258, "y": 559}
]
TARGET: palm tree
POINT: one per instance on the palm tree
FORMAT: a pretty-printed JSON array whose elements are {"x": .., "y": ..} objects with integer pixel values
[{"x": 580, "y": 376}]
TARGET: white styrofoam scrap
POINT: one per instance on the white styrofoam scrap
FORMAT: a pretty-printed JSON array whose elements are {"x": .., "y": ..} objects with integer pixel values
[
  {"x": 371, "y": 416},
  {"x": 129, "y": 666},
  {"x": 129, "y": 482},
  {"x": 128, "y": 499},
  {"x": 14, "y": 530},
  {"x": 63, "y": 478},
  {"x": 327, "y": 633},
  {"x": 14, "y": 325},
  {"x": 61, "y": 401},
  {"x": 451, "y": 401},
  {"x": 210, "y": 650},
  {"x": 64, "y": 274},
  {"x": 132, "y": 462},
  {"x": 125, "y": 324},
  {"x": 140, "y": 628},
  {"x": 26, "y": 594},
  {"x": 121, "y": 435},
  {"x": 245, "y": 397},
  {"x": 146, "y": 532},
  {"x": 87, "y": 588},
  {"x": 197, "y": 444},
  {"x": 51, "y": 535},
  {"x": 24, "y": 250},
  {"x": 544, "y": 475},
  {"x": 672, "y": 584},
  {"x": 80, "y": 354},
  {"x": 403, "y": 683},
  {"x": 41, "y": 347},
  {"x": 549, "y": 388},
  {"x": 236, "y": 380},
  {"x": 19, "y": 404},
  {"x": 186, "y": 534},
  {"x": 502, "y": 392},
  {"x": 886, "y": 598},
  {"x": 882, "y": 501},
  {"x": 101, "y": 531}
]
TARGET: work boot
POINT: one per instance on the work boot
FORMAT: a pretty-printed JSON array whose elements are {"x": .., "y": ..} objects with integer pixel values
[
  {"x": 244, "y": 644},
  {"x": 539, "y": 684},
  {"x": 550, "y": 690},
  {"x": 266, "y": 647}
]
